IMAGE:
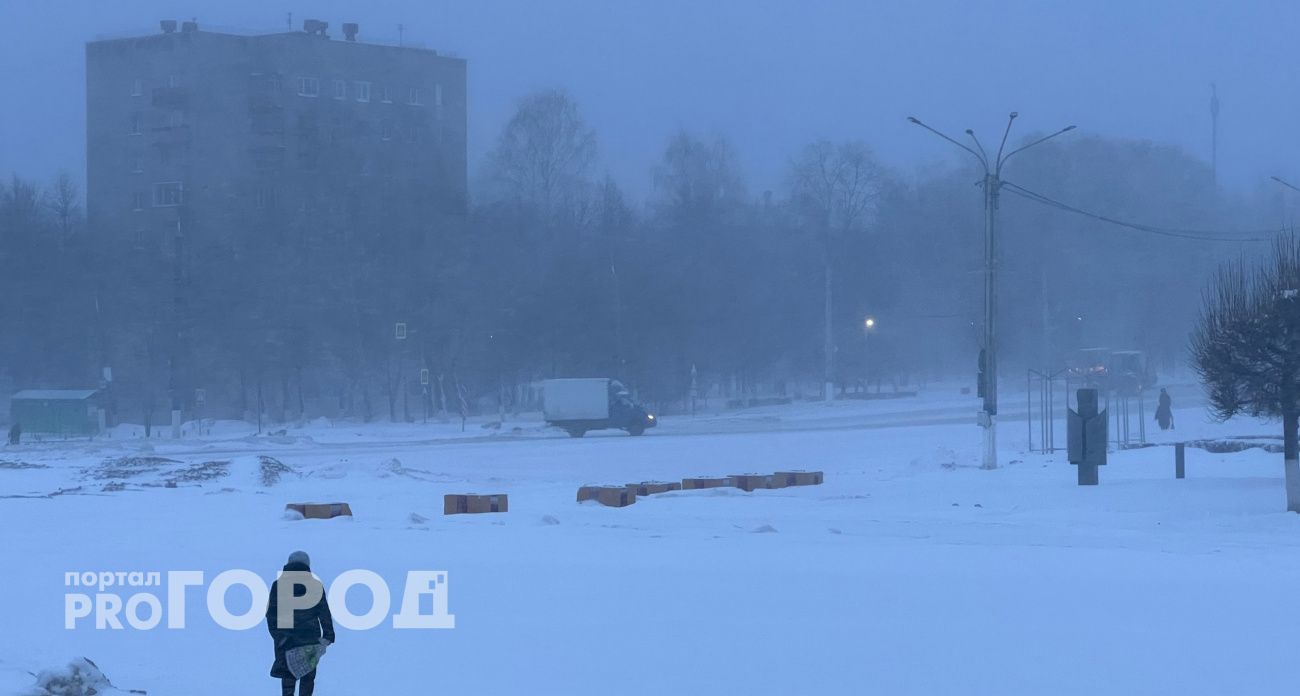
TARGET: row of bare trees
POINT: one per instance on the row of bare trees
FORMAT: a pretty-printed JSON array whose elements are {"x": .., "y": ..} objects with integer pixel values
[{"x": 556, "y": 271}]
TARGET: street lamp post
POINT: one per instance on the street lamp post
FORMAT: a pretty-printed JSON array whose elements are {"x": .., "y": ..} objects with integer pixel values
[
  {"x": 868, "y": 325},
  {"x": 992, "y": 184}
]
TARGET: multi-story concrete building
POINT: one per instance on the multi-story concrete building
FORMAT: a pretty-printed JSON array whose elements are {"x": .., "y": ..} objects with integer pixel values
[
  {"x": 239, "y": 169},
  {"x": 198, "y": 131}
]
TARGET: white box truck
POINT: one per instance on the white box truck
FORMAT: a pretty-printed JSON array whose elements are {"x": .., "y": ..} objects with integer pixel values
[{"x": 596, "y": 403}]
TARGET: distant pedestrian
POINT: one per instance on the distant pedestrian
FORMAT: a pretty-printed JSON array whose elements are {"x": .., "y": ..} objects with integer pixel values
[
  {"x": 303, "y": 633},
  {"x": 15, "y": 433},
  {"x": 1165, "y": 411}
]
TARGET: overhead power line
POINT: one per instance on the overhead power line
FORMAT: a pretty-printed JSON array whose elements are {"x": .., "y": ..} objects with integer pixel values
[{"x": 1180, "y": 233}]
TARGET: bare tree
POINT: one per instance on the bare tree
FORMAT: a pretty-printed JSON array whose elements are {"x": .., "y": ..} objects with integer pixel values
[
  {"x": 1246, "y": 347},
  {"x": 834, "y": 188},
  {"x": 544, "y": 155},
  {"x": 64, "y": 200},
  {"x": 698, "y": 179}
]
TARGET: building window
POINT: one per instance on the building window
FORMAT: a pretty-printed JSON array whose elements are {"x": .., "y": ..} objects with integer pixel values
[
  {"x": 384, "y": 96},
  {"x": 437, "y": 95},
  {"x": 413, "y": 96},
  {"x": 340, "y": 89},
  {"x": 386, "y": 130},
  {"x": 137, "y": 123},
  {"x": 171, "y": 80},
  {"x": 362, "y": 90},
  {"x": 274, "y": 84},
  {"x": 413, "y": 135},
  {"x": 137, "y": 87},
  {"x": 269, "y": 158},
  {"x": 308, "y": 87},
  {"x": 176, "y": 118},
  {"x": 265, "y": 198},
  {"x": 138, "y": 200},
  {"x": 167, "y": 194},
  {"x": 137, "y": 165}
]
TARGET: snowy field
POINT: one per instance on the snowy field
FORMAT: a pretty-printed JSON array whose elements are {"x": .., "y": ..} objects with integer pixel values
[{"x": 910, "y": 571}]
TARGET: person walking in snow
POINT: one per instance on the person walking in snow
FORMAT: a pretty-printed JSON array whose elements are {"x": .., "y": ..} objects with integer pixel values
[
  {"x": 1165, "y": 411},
  {"x": 301, "y": 634}
]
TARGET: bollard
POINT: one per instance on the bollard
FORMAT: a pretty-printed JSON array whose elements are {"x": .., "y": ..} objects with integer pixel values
[{"x": 1180, "y": 460}]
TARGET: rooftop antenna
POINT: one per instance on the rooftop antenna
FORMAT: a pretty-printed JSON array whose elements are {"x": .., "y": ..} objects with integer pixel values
[
  {"x": 290, "y": 21},
  {"x": 1214, "y": 134}
]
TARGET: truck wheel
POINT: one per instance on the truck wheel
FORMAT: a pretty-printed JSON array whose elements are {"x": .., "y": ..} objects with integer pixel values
[
  {"x": 576, "y": 432},
  {"x": 636, "y": 430}
]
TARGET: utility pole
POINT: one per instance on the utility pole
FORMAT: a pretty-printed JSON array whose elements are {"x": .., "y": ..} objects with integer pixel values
[
  {"x": 992, "y": 184},
  {"x": 828, "y": 344},
  {"x": 1214, "y": 134}
]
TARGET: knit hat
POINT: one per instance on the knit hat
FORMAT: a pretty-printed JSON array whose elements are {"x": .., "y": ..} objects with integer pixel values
[{"x": 300, "y": 557}]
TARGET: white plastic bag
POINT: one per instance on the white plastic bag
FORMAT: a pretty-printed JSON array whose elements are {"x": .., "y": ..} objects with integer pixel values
[{"x": 303, "y": 660}]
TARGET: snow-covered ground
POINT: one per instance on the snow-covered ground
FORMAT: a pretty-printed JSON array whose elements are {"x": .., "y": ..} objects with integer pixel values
[{"x": 909, "y": 571}]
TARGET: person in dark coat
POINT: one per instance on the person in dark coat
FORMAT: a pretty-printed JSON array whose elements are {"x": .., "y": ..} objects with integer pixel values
[
  {"x": 15, "y": 433},
  {"x": 1165, "y": 411},
  {"x": 311, "y": 626}
]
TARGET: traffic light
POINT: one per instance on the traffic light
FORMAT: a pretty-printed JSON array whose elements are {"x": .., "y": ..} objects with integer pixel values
[{"x": 982, "y": 381}]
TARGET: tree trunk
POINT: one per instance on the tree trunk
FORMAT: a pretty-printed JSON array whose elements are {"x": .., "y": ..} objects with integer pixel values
[
  {"x": 1291, "y": 449},
  {"x": 302, "y": 403},
  {"x": 284, "y": 396},
  {"x": 260, "y": 402}
]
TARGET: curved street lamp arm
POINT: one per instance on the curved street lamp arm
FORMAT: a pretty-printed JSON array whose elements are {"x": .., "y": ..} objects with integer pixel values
[
  {"x": 1010, "y": 119},
  {"x": 918, "y": 122},
  {"x": 984, "y": 156},
  {"x": 1022, "y": 148}
]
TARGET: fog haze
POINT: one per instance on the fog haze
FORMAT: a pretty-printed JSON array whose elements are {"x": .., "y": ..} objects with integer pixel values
[{"x": 772, "y": 75}]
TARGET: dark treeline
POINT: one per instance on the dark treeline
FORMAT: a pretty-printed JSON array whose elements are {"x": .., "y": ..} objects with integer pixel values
[{"x": 554, "y": 271}]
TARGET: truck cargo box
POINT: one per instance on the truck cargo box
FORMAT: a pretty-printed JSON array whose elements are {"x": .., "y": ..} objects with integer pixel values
[{"x": 575, "y": 399}]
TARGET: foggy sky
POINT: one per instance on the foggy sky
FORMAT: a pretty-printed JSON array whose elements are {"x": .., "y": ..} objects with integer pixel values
[{"x": 770, "y": 75}]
